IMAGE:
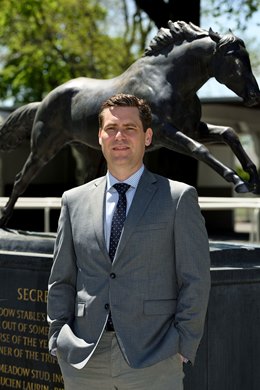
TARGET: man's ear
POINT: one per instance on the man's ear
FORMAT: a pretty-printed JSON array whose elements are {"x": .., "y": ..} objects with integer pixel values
[
  {"x": 99, "y": 136},
  {"x": 148, "y": 136}
]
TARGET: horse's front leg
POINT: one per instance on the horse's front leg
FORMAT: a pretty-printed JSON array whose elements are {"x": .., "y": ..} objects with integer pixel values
[
  {"x": 22, "y": 179},
  {"x": 37, "y": 159},
  {"x": 171, "y": 138},
  {"x": 212, "y": 133}
]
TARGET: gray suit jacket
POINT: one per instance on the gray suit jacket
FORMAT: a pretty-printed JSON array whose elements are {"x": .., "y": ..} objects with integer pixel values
[{"x": 157, "y": 287}]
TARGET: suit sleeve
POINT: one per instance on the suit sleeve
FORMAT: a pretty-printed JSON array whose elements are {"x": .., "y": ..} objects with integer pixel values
[
  {"x": 62, "y": 280},
  {"x": 193, "y": 272}
]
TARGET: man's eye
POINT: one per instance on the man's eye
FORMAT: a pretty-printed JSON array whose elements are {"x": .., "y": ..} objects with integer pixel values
[{"x": 110, "y": 130}]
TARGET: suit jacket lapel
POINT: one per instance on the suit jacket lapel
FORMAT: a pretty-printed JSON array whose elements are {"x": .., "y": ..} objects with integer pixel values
[
  {"x": 142, "y": 199},
  {"x": 98, "y": 212}
]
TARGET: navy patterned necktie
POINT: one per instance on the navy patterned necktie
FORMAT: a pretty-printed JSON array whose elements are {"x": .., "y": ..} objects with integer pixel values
[{"x": 118, "y": 218}]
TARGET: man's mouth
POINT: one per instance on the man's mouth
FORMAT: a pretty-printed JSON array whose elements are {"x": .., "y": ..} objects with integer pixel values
[{"x": 123, "y": 147}]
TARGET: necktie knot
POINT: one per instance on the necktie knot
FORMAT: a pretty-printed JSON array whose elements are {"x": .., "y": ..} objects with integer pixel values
[{"x": 121, "y": 188}]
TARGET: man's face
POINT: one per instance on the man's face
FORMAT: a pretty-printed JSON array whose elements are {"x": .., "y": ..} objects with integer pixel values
[{"x": 123, "y": 139}]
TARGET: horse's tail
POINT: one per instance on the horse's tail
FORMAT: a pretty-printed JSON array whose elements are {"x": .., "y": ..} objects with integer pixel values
[{"x": 17, "y": 127}]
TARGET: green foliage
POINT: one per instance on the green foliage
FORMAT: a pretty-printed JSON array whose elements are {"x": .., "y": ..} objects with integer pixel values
[
  {"x": 45, "y": 43},
  {"x": 240, "y": 10},
  {"x": 244, "y": 175}
]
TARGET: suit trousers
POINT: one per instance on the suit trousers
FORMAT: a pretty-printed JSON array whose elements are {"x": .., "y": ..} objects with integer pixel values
[{"x": 108, "y": 370}]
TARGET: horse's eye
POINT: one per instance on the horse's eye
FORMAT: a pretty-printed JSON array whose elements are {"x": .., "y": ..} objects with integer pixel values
[{"x": 230, "y": 52}]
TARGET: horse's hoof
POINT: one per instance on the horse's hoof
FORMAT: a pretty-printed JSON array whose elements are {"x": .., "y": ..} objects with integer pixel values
[
  {"x": 3, "y": 221},
  {"x": 256, "y": 189},
  {"x": 242, "y": 188}
]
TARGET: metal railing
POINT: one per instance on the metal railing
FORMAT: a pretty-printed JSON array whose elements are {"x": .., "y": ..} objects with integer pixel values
[
  {"x": 225, "y": 203},
  {"x": 45, "y": 204},
  {"x": 206, "y": 203}
]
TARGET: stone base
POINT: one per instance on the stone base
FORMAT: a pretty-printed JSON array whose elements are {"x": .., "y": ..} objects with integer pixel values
[
  {"x": 26, "y": 241},
  {"x": 228, "y": 356}
]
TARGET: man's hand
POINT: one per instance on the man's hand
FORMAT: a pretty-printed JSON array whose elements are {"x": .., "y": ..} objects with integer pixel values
[{"x": 183, "y": 359}]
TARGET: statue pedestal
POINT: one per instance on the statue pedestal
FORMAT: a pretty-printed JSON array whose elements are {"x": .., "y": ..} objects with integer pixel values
[
  {"x": 228, "y": 356},
  {"x": 25, "y": 362}
]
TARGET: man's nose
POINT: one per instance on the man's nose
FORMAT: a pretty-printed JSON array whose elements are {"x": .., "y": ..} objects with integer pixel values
[{"x": 120, "y": 134}]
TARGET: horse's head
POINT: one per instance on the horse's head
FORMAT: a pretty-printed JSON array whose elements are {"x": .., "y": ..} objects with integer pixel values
[{"x": 231, "y": 66}]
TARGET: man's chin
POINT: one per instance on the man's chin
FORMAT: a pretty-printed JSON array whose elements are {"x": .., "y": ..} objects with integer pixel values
[
  {"x": 121, "y": 160},
  {"x": 121, "y": 154}
]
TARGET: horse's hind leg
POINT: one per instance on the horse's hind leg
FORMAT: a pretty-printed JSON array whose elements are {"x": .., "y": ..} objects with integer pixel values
[{"x": 212, "y": 133}]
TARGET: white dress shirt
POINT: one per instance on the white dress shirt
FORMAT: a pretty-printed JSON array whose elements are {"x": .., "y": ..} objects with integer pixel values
[{"x": 112, "y": 198}]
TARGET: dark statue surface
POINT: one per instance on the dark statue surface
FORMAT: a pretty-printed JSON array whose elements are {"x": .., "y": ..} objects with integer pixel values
[{"x": 178, "y": 61}]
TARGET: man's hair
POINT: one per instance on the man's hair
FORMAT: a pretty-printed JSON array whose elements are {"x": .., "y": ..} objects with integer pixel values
[{"x": 125, "y": 100}]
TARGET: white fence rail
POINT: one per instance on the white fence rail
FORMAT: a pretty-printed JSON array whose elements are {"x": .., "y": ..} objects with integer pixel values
[
  {"x": 46, "y": 204},
  {"x": 224, "y": 203},
  {"x": 206, "y": 203}
]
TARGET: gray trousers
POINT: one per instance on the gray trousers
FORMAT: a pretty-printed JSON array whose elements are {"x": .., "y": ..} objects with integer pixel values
[{"x": 108, "y": 370}]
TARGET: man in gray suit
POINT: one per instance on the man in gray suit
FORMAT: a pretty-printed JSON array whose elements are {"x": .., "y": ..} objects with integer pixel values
[{"x": 127, "y": 315}]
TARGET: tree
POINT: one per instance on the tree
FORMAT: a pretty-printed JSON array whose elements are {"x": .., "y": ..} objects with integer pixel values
[
  {"x": 240, "y": 11},
  {"x": 44, "y": 44},
  {"x": 161, "y": 11}
]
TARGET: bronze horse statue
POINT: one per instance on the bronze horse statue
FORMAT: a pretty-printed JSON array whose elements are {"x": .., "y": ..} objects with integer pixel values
[{"x": 178, "y": 61}]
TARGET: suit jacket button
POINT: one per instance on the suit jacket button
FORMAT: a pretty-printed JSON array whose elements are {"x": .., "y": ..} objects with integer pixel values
[
  {"x": 112, "y": 275},
  {"x": 107, "y": 306}
]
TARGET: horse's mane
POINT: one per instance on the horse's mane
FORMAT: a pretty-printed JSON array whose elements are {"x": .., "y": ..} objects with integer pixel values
[
  {"x": 175, "y": 34},
  {"x": 182, "y": 31}
]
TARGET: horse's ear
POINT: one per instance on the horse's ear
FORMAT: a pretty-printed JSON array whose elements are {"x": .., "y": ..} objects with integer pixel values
[
  {"x": 214, "y": 36},
  {"x": 173, "y": 26}
]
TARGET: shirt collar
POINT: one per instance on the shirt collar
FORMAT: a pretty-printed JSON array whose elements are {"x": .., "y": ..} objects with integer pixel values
[{"x": 132, "y": 180}]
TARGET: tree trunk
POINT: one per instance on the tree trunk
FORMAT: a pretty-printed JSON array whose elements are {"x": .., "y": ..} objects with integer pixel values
[
  {"x": 164, "y": 161},
  {"x": 160, "y": 12}
]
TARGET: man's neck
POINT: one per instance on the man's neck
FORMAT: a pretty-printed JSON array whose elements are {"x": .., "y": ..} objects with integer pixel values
[{"x": 122, "y": 175}]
